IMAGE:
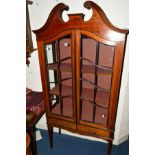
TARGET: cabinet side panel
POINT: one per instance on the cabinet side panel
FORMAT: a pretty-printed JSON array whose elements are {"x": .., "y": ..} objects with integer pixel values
[
  {"x": 43, "y": 74},
  {"x": 116, "y": 81}
]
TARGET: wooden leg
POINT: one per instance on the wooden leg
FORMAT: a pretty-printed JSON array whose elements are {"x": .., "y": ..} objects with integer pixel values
[
  {"x": 59, "y": 131},
  {"x": 50, "y": 136},
  {"x": 109, "y": 147},
  {"x": 33, "y": 145}
]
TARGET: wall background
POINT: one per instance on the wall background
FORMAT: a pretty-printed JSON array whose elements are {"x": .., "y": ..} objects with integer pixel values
[{"x": 117, "y": 12}]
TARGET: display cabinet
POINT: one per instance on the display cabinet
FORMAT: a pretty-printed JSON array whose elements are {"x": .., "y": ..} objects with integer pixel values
[{"x": 81, "y": 65}]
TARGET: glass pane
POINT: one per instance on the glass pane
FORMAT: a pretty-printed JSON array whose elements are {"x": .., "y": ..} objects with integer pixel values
[
  {"x": 96, "y": 65},
  {"x": 59, "y": 67}
]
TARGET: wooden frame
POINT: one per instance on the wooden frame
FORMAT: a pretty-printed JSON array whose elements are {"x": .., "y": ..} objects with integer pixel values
[
  {"x": 100, "y": 29},
  {"x": 29, "y": 43}
]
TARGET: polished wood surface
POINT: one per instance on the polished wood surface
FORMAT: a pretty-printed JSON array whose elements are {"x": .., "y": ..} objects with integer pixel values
[
  {"x": 29, "y": 43},
  {"x": 99, "y": 29},
  {"x": 30, "y": 129},
  {"x": 98, "y": 24},
  {"x": 28, "y": 141}
]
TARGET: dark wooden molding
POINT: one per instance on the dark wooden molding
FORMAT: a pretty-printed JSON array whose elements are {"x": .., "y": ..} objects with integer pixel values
[
  {"x": 98, "y": 23},
  {"x": 97, "y": 11},
  {"x": 29, "y": 43},
  {"x": 29, "y": 2}
]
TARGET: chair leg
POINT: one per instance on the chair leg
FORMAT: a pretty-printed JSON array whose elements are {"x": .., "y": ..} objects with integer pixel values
[
  {"x": 109, "y": 147},
  {"x": 50, "y": 135},
  {"x": 33, "y": 145},
  {"x": 59, "y": 131}
]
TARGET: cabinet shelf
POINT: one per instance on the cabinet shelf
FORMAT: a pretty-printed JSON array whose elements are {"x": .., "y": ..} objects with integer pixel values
[
  {"x": 66, "y": 91},
  {"x": 85, "y": 68},
  {"x": 87, "y": 112},
  {"x": 63, "y": 67},
  {"x": 67, "y": 108},
  {"x": 102, "y": 98}
]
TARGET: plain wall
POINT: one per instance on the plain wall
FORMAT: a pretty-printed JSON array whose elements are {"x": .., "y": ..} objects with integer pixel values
[{"x": 117, "y": 12}]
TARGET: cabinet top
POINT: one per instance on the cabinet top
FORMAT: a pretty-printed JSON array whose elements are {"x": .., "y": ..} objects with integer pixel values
[{"x": 97, "y": 24}]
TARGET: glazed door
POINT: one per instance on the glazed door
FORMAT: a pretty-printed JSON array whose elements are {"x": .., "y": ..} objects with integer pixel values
[
  {"x": 94, "y": 63},
  {"x": 60, "y": 72}
]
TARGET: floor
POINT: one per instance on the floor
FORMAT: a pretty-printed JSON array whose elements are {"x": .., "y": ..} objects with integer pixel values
[{"x": 69, "y": 145}]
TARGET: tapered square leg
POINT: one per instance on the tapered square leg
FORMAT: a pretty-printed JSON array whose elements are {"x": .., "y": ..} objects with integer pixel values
[
  {"x": 50, "y": 135},
  {"x": 109, "y": 147}
]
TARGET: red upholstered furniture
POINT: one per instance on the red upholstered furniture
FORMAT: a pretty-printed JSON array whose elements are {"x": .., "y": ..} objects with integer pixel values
[
  {"x": 34, "y": 102},
  {"x": 34, "y": 111}
]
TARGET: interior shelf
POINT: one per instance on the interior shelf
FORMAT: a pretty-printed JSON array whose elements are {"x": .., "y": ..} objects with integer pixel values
[
  {"x": 66, "y": 90},
  {"x": 87, "y": 111},
  {"x": 85, "y": 68},
  {"x": 102, "y": 98},
  {"x": 63, "y": 67},
  {"x": 67, "y": 108}
]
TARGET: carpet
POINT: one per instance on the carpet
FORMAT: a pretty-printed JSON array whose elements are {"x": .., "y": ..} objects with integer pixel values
[{"x": 69, "y": 145}]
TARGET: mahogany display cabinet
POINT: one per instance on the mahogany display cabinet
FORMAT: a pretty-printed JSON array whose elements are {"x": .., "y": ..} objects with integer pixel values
[{"x": 81, "y": 65}]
